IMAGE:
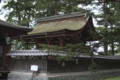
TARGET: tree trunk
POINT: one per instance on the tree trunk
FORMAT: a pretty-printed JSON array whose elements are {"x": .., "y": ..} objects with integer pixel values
[
  {"x": 105, "y": 25},
  {"x": 112, "y": 46},
  {"x": 106, "y": 48},
  {"x": 72, "y": 8}
]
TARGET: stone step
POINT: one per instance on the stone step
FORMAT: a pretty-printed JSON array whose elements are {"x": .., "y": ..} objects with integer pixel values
[{"x": 3, "y": 74}]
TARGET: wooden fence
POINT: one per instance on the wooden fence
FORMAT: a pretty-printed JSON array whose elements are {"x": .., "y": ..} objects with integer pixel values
[{"x": 25, "y": 64}]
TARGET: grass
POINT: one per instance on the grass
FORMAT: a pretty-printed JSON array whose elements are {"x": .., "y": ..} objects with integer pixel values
[{"x": 116, "y": 78}]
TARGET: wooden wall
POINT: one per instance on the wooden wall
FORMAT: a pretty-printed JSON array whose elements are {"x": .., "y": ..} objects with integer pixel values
[
  {"x": 69, "y": 66},
  {"x": 83, "y": 64},
  {"x": 25, "y": 64},
  {"x": 52, "y": 65}
]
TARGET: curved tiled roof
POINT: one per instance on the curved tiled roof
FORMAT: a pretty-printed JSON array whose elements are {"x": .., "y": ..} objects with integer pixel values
[
  {"x": 32, "y": 53},
  {"x": 46, "y": 53},
  {"x": 72, "y": 22}
]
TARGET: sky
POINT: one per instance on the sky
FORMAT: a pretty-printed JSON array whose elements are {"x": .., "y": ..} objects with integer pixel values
[{"x": 2, "y": 15}]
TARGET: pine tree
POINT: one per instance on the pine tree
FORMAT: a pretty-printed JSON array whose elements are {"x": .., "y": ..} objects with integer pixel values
[
  {"x": 110, "y": 27},
  {"x": 21, "y": 11}
]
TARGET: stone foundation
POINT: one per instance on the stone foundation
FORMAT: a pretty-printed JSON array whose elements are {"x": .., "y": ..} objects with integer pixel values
[{"x": 99, "y": 75}]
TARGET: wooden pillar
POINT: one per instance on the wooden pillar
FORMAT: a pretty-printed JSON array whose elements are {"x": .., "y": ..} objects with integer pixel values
[
  {"x": 26, "y": 44},
  {"x": 49, "y": 41},
  {"x": 3, "y": 56},
  {"x": 61, "y": 41},
  {"x": 36, "y": 43},
  {"x": 6, "y": 49}
]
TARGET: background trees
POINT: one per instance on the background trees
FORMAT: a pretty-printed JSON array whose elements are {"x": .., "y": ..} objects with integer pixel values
[
  {"x": 109, "y": 20},
  {"x": 21, "y": 12}
]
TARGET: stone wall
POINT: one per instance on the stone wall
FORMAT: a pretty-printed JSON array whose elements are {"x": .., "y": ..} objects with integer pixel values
[{"x": 99, "y": 75}]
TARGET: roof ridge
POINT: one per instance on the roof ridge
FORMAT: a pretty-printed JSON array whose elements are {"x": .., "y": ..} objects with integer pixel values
[{"x": 56, "y": 17}]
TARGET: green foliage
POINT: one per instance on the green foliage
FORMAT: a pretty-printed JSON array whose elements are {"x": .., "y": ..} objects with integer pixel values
[
  {"x": 17, "y": 45},
  {"x": 62, "y": 59},
  {"x": 77, "y": 48},
  {"x": 69, "y": 48},
  {"x": 21, "y": 11},
  {"x": 69, "y": 51},
  {"x": 25, "y": 12},
  {"x": 108, "y": 35},
  {"x": 115, "y": 78},
  {"x": 118, "y": 50},
  {"x": 50, "y": 48},
  {"x": 109, "y": 19},
  {"x": 93, "y": 67}
]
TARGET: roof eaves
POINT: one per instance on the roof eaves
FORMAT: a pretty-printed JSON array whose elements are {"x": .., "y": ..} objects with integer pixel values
[
  {"x": 44, "y": 33},
  {"x": 9, "y": 25}
]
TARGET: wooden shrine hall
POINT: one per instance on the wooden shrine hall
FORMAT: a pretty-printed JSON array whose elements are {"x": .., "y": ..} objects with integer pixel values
[
  {"x": 62, "y": 29},
  {"x": 10, "y": 31}
]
